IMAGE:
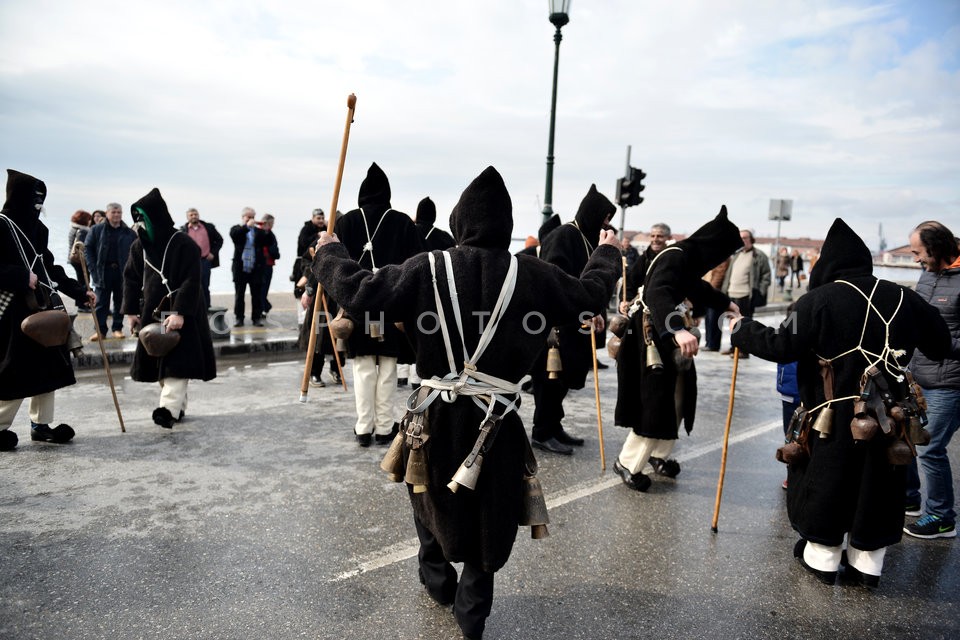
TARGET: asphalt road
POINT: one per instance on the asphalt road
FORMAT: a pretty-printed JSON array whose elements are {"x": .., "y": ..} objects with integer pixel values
[{"x": 260, "y": 517}]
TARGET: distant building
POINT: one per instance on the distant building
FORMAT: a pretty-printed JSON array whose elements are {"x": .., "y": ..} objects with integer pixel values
[{"x": 897, "y": 257}]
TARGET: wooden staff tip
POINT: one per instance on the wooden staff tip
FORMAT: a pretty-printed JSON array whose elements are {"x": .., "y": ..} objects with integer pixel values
[{"x": 351, "y": 101}]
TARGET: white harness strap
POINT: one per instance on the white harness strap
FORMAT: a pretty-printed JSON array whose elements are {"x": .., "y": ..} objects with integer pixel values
[
  {"x": 17, "y": 234},
  {"x": 163, "y": 265},
  {"x": 368, "y": 247},
  {"x": 469, "y": 381}
]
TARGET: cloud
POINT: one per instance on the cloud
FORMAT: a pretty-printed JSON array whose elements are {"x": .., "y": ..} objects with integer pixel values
[{"x": 848, "y": 107}]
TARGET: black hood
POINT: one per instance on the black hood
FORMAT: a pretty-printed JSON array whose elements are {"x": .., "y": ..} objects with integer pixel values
[
  {"x": 25, "y": 196},
  {"x": 426, "y": 212},
  {"x": 553, "y": 222},
  {"x": 843, "y": 256},
  {"x": 483, "y": 217},
  {"x": 374, "y": 196},
  {"x": 712, "y": 243},
  {"x": 150, "y": 212},
  {"x": 594, "y": 209}
]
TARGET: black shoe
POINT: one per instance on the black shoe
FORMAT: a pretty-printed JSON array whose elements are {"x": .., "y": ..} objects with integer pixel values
[
  {"x": 40, "y": 432},
  {"x": 258, "y": 323},
  {"x": 669, "y": 468},
  {"x": 826, "y": 577},
  {"x": 162, "y": 417},
  {"x": 364, "y": 439},
  {"x": 335, "y": 376},
  {"x": 8, "y": 440},
  {"x": 856, "y": 577},
  {"x": 602, "y": 365},
  {"x": 238, "y": 323},
  {"x": 565, "y": 438},
  {"x": 553, "y": 446},
  {"x": 636, "y": 481},
  {"x": 387, "y": 439},
  {"x": 401, "y": 382}
]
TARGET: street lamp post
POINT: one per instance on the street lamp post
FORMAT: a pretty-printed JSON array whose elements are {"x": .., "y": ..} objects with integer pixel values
[{"x": 559, "y": 16}]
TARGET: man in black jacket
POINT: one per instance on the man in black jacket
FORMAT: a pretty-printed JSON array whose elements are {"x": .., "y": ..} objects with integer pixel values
[
  {"x": 107, "y": 248},
  {"x": 248, "y": 261}
]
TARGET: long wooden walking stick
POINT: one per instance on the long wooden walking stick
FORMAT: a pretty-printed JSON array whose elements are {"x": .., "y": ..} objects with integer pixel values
[
  {"x": 623, "y": 284},
  {"x": 726, "y": 439},
  {"x": 103, "y": 351},
  {"x": 596, "y": 391},
  {"x": 319, "y": 300}
]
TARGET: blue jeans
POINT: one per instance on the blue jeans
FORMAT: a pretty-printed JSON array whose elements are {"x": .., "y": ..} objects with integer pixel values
[{"x": 943, "y": 413}]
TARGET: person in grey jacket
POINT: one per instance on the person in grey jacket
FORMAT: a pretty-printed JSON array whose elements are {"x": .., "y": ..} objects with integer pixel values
[{"x": 935, "y": 248}]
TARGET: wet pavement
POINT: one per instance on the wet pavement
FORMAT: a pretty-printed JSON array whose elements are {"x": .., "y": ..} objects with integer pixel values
[{"x": 260, "y": 517}]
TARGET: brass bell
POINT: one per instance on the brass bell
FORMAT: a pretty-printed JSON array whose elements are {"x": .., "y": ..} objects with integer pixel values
[
  {"x": 654, "y": 362},
  {"x": 790, "y": 453},
  {"x": 824, "y": 422},
  {"x": 554, "y": 364},
  {"x": 618, "y": 325},
  {"x": 466, "y": 476},
  {"x": 863, "y": 426},
  {"x": 375, "y": 331},
  {"x": 918, "y": 435},
  {"x": 341, "y": 327},
  {"x": 899, "y": 453},
  {"x": 533, "y": 512},
  {"x": 392, "y": 461},
  {"x": 417, "y": 470},
  {"x": 613, "y": 346}
]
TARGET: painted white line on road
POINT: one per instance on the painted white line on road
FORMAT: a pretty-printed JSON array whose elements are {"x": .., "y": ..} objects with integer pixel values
[{"x": 408, "y": 548}]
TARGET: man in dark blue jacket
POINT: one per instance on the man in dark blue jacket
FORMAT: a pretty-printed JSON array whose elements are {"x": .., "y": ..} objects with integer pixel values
[
  {"x": 935, "y": 249},
  {"x": 107, "y": 249}
]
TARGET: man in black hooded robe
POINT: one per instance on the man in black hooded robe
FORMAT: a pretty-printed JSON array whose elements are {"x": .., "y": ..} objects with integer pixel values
[
  {"x": 433, "y": 238},
  {"x": 846, "y": 492},
  {"x": 568, "y": 247},
  {"x": 477, "y": 527},
  {"x": 162, "y": 282},
  {"x": 376, "y": 235},
  {"x": 651, "y": 400},
  {"x": 28, "y": 276}
]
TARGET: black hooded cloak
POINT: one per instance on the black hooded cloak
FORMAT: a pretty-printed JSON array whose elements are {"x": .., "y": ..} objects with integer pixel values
[
  {"x": 394, "y": 239},
  {"x": 846, "y": 486},
  {"x": 569, "y": 247},
  {"x": 178, "y": 256},
  {"x": 27, "y": 368},
  {"x": 474, "y": 526},
  {"x": 433, "y": 238},
  {"x": 645, "y": 398}
]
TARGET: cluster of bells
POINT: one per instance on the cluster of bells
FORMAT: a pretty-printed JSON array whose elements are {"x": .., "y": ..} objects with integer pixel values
[{"x": 414, "y": 472}]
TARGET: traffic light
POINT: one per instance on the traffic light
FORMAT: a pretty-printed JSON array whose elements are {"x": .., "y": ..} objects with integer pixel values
[{"x": 629, "y": 188}]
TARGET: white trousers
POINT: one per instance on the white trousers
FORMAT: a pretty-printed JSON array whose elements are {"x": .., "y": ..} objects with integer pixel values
[
  {"x": 408, "y": 371},
  {"x": 41, "y": 409},
  {"x": 374, "y": 387},
  {"x": 636, "y": 451},
  {"x": 824, "y": 558},
  {"x": 173, "y": 395}
]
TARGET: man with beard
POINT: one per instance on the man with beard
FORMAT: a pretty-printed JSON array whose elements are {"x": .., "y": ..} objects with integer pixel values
[
  {"x": 28, "y": 277},
  {"x": 935, "y": 248},
  {"x": 162, "y": 284},
  {"x": 478, "y": 369},
  {"x": 568, "y": 247},
  {"x": 376, "y": 235},
  {"x": 851, "y": 335},
  {"x": 433, "y": 238},
  {"x": 656, "y": 376}
]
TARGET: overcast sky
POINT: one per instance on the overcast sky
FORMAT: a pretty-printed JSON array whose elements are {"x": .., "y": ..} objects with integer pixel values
[{"x": 849, "y": 108}]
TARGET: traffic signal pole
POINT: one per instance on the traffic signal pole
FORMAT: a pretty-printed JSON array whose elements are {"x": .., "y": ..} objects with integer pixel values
[{"x": 623, "y": 208}]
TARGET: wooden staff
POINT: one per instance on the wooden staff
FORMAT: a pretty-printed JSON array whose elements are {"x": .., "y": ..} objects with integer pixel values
[
  {"x": 103, "y": 351},
  {"x": 596, "y": 392},
  {"x": 623, "y": 285},
  {"x": 726, "y": 439},
  {"x": 319, "y": 300}
]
